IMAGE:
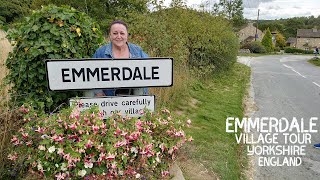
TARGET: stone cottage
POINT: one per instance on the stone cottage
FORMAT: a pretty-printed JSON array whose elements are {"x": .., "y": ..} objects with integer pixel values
[
  {"x": 308, "y": 38},
  {"x": 247, "y": 34}
]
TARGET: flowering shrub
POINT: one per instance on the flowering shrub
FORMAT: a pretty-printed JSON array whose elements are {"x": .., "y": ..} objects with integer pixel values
[{"x": 74, "y": 144}]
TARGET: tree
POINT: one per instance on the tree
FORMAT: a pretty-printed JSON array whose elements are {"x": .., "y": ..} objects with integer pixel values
[
  {"x": 178, "y": 3},
  {"x": 103, "y": 11},
  {"x": 280, "y": 41},
  {"x": 14, "y": 9},
  {"x": 267, "y": 41},
  {"x": 231, "y": 9}
]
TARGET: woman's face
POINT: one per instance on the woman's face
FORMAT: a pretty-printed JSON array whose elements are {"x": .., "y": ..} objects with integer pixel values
[{"x": 118, "y": 35}]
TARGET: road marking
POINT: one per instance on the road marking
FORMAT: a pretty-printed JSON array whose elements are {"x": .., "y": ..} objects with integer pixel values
[
  {"x": 287, "y": 66},
  {"x": 293, "y": 70},
  {"x": 316, "y": 84},
  {"x": 298, "y": 73}
]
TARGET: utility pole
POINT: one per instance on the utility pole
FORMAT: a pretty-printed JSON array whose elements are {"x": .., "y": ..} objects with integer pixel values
[{"x": 256, "y": 35}]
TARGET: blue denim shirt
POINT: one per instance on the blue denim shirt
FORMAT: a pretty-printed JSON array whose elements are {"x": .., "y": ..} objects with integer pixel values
[{"x": 106, "y": 52}]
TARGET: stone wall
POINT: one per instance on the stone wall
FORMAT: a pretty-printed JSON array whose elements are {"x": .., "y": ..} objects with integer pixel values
[{"x": 310, "y": 43}]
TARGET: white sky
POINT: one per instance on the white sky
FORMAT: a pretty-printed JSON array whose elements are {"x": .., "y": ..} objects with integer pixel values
[{"x": 271, "y": 9}]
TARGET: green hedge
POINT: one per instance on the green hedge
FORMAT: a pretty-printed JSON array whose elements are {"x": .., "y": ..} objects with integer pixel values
[
  {"x": 191, "y": 37},
  {"x": 295, "y": 50}
]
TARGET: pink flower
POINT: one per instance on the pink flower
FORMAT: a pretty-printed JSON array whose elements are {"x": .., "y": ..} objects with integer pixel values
[
  {"x": 73, "y": 126},
  {"x": 110, "y": 156},
  {"x": 139, "y": 125},
  {"x": 92, "y": 115},
  {"x": 25, "y": 135},
  {"x": 14, "y": 139},
  {"x": 39, "y": 130},
  {"x": 89, "y": 144},
  {"x": 117, "y": 132},
  {"x": 190, "y": 139},
  {"x": 60, "y": 152},
  {"x": 100, "y": 115},
  {"x": 188, "y": 121},
  {"x": 29, "y": 143},
  {"x": 164, "y": 173},
  {"x": 162, "y": 147},
  {"x": 13, "y": 157},
  {"x": 114, "y": 165},
  {"x": 60, "y": 176},
  {"x": 103, "y": 126},
  {"x": 179, "y": 134},
  {"x": 66, "y": 156},
  {"x": 124, "y": 133},
  {"x": 120, "y": 143},
  {"x": 166, "y": 111},
  {"x": 95, "y": 128}
]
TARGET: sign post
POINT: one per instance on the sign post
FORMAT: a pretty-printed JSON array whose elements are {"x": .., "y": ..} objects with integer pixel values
[{"x": 86, "y": 74}]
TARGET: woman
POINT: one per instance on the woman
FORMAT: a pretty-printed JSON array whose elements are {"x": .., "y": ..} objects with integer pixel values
[{"x": 119, "y": 48}]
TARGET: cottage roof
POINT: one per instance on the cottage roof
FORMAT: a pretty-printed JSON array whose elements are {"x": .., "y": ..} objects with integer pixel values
[
  {"x": 308, "y": 33},
  {"x": 291, "y": 40}
]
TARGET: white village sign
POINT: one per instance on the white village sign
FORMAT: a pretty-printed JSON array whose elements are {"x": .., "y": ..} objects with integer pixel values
[{"x": 82, "y": 74}]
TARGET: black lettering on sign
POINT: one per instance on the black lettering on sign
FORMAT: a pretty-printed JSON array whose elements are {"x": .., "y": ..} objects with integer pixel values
[
  {"x": 64, "y": 75},
  {"x": 126, "y": 76},
  {"x": 145, "y": 74},
  {"x": 154, "y": 72},
  {"x": 78, "y": 74},
  {"x": 103, "y": 74},
  {"x": 115, "y": 72},
  {"x": 93, "y": 73},
  {"x": 137, "y": 74}
]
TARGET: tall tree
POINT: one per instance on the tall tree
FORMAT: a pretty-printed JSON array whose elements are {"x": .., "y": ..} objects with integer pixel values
[
  {"x": 267, "y": 41},
  {"x": 231, "y": 9},
  {"x": 280, "y": 41}
]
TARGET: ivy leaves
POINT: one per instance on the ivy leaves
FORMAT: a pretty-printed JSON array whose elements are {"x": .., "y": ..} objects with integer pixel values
[{"x": 50, "y": 33}]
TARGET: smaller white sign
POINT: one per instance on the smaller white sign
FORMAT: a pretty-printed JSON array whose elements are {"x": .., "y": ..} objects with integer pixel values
[{"x": 131, "y": 106}]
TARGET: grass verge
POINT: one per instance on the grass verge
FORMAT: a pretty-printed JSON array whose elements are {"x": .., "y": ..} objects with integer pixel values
[
  {"x": 215, "y": 153},
  {"x": 315, "y": 62}
]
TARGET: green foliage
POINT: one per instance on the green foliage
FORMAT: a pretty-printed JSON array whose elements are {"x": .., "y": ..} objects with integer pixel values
[
  {"x": 232, "y": 10},
  {"x": 102, "y": 11},
  {"x": 280, "y": 41},
  {"x": 299, "y": 51},
  {"x": 50, "y": 33},
  {"x": 255, "y": 47},
  {"x": 191, "y": 37},
  {"x": 14, "y": 9},
  {"x": 267, "y": 41}
]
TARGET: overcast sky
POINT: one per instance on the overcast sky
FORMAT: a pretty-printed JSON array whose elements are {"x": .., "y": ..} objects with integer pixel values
[{"x": 272, "y": 9}]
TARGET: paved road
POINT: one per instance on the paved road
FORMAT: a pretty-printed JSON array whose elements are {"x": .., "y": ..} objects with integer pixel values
[{"x": 287, "y": 86}]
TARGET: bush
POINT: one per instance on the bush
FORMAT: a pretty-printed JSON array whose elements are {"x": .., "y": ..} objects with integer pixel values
[
  {"x": 256, "y": 47},
  {"x": 50, "y": 33},
  {"x": 191, "y": 37},
  {"x": 73, "y": 144},
  {"x": 295, "y": 50}
]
